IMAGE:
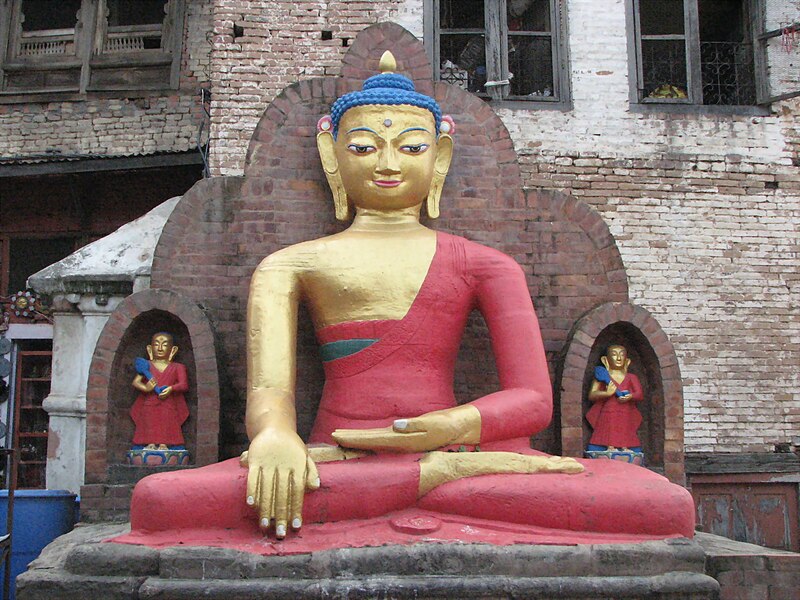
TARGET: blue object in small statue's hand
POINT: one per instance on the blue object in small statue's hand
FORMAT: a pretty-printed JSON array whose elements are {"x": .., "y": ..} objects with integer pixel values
[
  {"x": 142, "y": 366},
  {"x": 602, "y": 375}
]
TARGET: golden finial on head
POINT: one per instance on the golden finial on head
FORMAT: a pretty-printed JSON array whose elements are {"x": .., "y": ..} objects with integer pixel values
[{"x": 388, "y": 64}]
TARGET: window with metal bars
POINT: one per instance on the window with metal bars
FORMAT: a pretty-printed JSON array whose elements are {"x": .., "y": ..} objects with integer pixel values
[
  {"x": 500, "y": 49},
  {"x": 709, "y": 52}
]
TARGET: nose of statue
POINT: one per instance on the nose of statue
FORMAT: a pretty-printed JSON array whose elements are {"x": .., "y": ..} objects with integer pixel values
[{"x": 388, "y": 161}]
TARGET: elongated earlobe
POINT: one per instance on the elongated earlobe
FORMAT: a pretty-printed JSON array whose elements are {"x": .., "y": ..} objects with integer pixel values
[
  {"x": 172, "y": 353},
  {"x": 444, "y": 155},
  {"x": 327, "y": 153},
  {"x": 150, "y": 351}
]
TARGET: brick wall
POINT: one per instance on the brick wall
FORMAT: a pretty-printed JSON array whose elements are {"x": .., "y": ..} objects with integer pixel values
[
  {"x": 281, "y": 44},
  {"x": 145, "y": 124}
]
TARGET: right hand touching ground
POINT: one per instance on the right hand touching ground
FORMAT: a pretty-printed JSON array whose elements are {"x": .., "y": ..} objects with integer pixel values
[{"x": 279, "y": 473}]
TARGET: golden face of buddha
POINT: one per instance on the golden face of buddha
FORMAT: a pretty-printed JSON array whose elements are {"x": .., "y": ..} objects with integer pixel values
[
  {"x": 162, "y": 347},
  {"x": 386, "y": 155},
  {"x": 617, "y": 357},
  {"x": 386, "y": 158}
]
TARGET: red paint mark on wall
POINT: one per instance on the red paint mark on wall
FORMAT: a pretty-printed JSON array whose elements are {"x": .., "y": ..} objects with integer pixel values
[{"x": 53, "y": 443}]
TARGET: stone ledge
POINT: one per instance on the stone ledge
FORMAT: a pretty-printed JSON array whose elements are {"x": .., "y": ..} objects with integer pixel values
[
  {"x": 79, "y": 563},
  {"x": 181, "y": 562},
  {"x": 671, "y": 586}
]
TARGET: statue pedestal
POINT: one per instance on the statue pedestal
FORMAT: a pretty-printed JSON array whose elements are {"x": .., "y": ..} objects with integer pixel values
[
  {"x": 144, "y": 457},
  {"x": 80, "y": 564},
  {"x": 629, "y": 456}
]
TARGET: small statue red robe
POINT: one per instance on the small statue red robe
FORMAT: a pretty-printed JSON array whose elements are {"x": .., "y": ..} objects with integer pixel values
[
  {"x": 614, "y": 423},
  {"x": 159, "y": 421}
]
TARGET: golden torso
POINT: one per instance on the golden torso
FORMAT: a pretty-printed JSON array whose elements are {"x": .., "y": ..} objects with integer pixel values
[{"x": 373, "y": 270}]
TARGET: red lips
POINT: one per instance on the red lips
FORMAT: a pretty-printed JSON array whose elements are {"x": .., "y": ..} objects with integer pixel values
[{"x": 387, "y": 183}]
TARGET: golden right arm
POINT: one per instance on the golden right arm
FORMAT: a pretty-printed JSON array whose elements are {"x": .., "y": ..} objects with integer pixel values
[
  {"x": 279, "y": 470},
  {"x": 271, "y": 347}
]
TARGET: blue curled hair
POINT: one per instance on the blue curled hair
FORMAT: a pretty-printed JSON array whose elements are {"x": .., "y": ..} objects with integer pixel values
[{"x": 387, "y": 88}]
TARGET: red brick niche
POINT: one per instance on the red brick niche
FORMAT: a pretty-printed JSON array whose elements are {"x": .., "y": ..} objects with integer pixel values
[
  {"x": 109, "y": 396},
  {"x": 653, "y": 360}
]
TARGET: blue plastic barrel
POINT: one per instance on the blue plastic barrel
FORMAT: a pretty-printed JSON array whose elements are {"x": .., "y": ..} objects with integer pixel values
[{"x": 40, "y": 516}]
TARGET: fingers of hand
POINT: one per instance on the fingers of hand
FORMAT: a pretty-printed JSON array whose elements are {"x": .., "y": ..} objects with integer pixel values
[
  {"x": 312, "y": 475},
  {"x": 379, "y": 439},
  {"x": 254, "y": 477},
  {"x": 282, "y": 486},
  {"x": 278, "y": 497},
  {"x": 409, "y": 426},
  {"x": 297, "y": 491}
]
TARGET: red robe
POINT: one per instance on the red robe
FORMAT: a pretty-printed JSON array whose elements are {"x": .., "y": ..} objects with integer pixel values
[
  {"x": 614, "y": 423},
  {"x": 408, "y": 372},
  {"x": 159, "y": 421}
]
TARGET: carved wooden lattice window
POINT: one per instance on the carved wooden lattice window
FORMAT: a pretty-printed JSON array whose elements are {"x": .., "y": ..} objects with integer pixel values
[
  {"x": 710, "y": 52},
  {"x": 89, "y": 45},
  {"x": 46, "y": 28},
  {"x": 500, "y": 49},
  {"x": 132, "y": 27}
]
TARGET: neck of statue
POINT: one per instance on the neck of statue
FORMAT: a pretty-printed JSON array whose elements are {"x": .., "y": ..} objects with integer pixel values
[{"x": 370, "y": 219}]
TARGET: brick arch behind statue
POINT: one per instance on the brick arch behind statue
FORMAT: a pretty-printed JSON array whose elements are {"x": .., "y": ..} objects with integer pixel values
[
  {"x": 223, "y": 227},
  {"x": 653, "y": 360}
]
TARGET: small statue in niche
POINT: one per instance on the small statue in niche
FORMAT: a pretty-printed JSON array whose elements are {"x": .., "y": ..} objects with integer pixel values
[
  {"x": 160, "y": 409},
  {"x": 613, "y": 416}
]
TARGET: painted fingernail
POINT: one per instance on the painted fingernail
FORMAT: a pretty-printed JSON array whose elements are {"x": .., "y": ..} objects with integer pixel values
[
  {"x": 280, "y": 530},
  {"x": 251, "y": 500},
  {"x": 401, "y": 423},
  {"x": 296, "y": 523},
  {"x": 265, "y": 522},
  {"x": 317, "y": 482}
]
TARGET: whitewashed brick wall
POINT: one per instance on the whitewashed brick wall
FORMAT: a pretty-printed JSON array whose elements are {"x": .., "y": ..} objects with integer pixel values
[{"x": 709, "y": 244}]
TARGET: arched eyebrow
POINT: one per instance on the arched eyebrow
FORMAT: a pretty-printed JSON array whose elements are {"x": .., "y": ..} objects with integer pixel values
[
  {"x": 363, "y": 129},
  {"x": 412, "y": 129}
]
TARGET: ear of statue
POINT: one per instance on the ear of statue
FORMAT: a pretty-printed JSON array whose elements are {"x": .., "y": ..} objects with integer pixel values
[
  {"x": 627, "y": 364},
  {"x": 326, "y": 147},
  {"x": 604, "y": 360},
  {"x": 172, "y": 353},
  {"x": 444, "y": 154},
  {"x": 149, "y": 351}
]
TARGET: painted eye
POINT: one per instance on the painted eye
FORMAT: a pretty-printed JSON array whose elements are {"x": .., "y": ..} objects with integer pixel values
[
  {"x": 414, "y": 148},
  {"x": 357, "y": 149}
]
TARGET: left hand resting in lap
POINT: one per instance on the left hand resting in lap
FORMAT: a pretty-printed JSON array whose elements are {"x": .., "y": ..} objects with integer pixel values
[{"x": 459, "y": 425}]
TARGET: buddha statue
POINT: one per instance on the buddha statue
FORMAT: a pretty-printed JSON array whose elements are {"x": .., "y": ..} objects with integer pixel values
[{"x": 389, "y": 299}]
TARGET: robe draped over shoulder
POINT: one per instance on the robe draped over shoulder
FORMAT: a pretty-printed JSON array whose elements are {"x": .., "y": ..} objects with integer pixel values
[
  {"x": 614, "y": 423},
  {"x": 159, "y": 421},
  {"x": 409, "y": 370}
]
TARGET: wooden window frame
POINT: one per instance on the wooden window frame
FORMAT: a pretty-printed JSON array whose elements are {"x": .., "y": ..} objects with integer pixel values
[
  {"x": 496, "y": 33},
  {"x": 691, "y": 36},
  {"x": 94, "y": 68}
]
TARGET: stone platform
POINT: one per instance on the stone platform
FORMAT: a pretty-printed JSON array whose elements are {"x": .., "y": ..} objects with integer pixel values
[{"x": 79, "y": 566}]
